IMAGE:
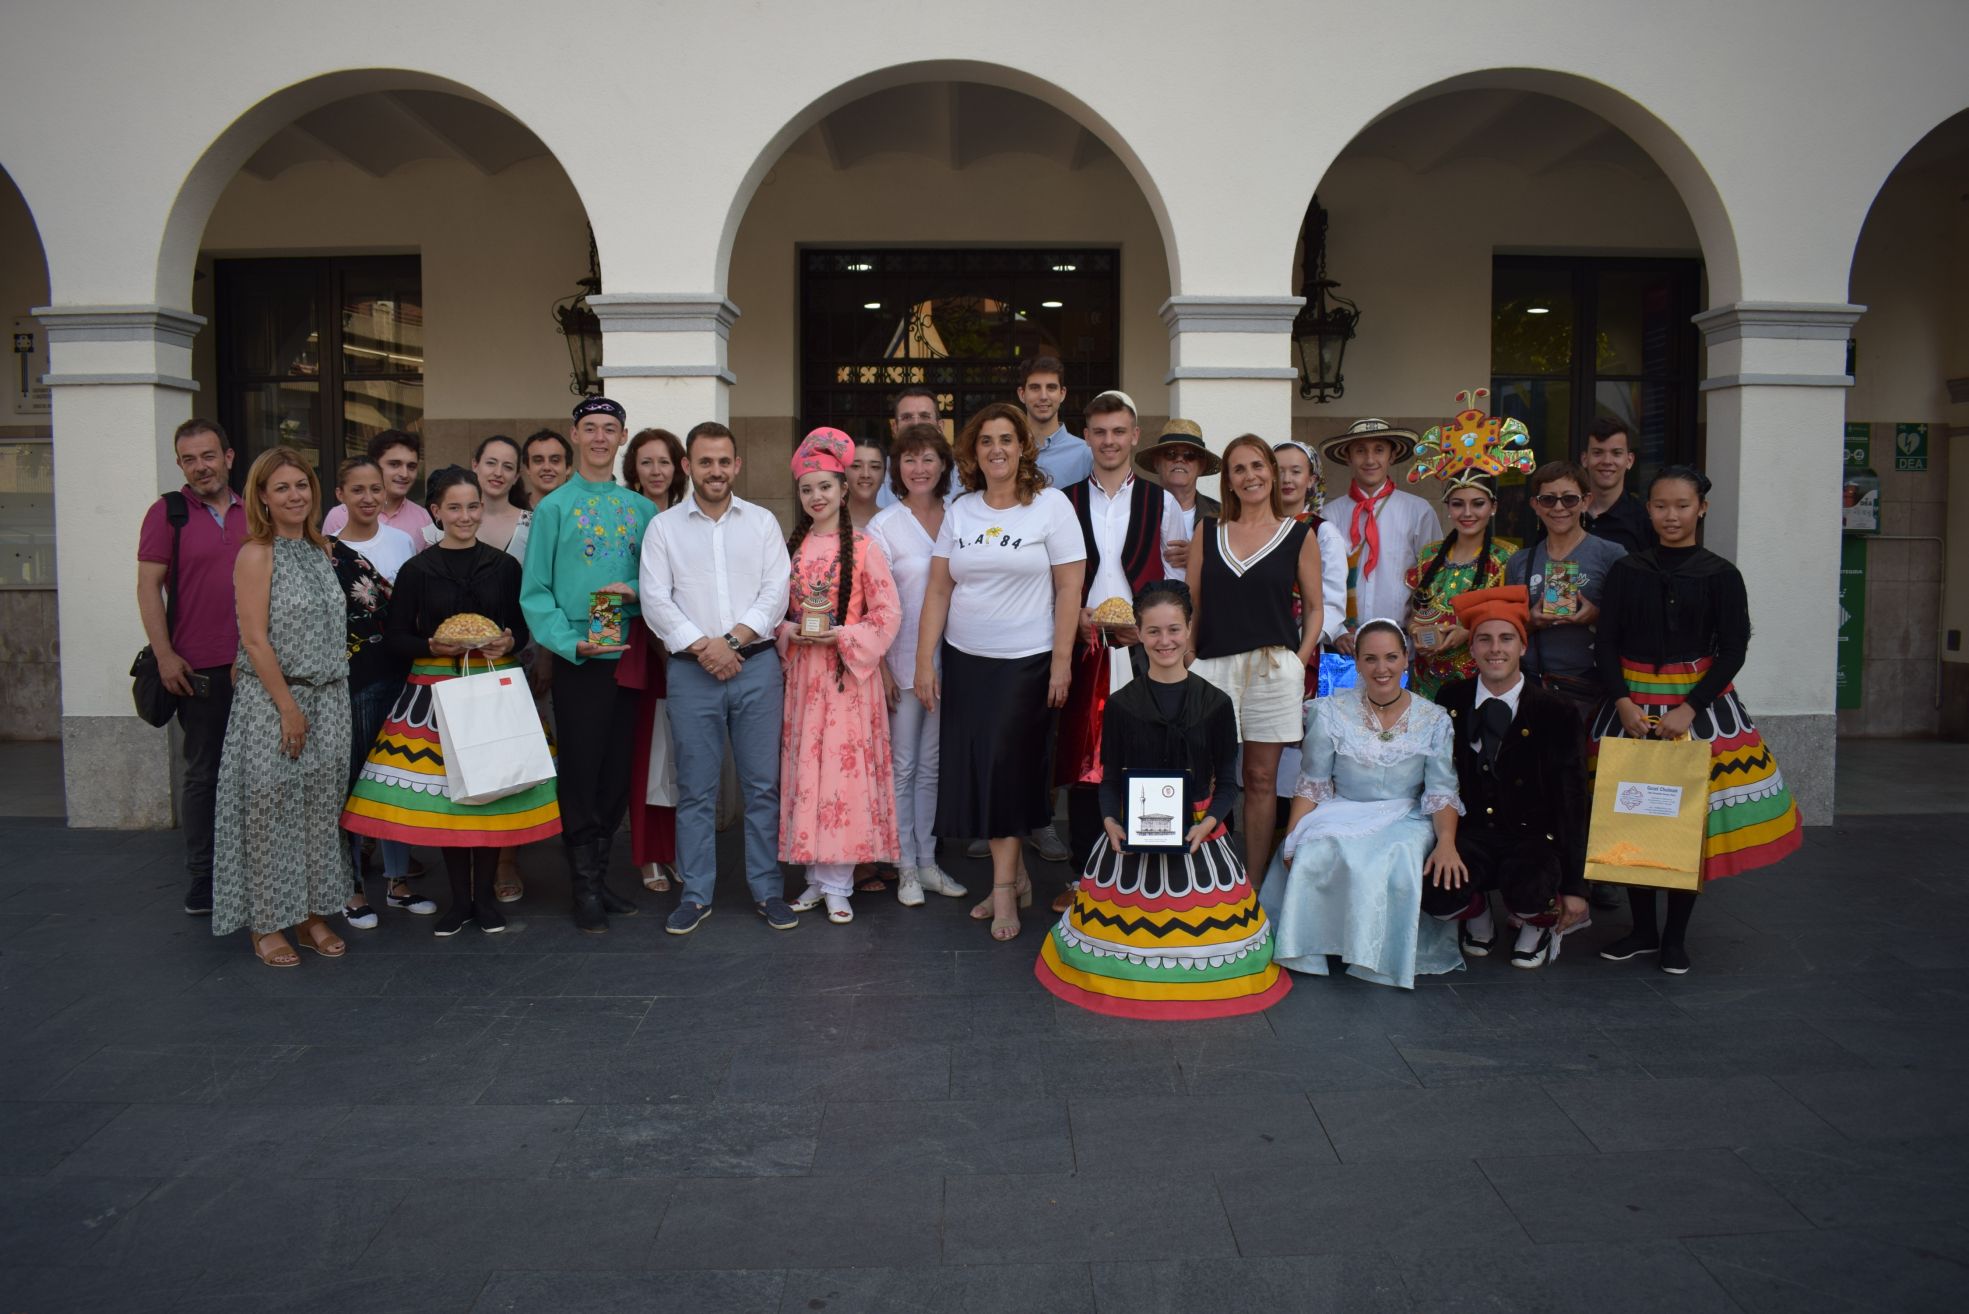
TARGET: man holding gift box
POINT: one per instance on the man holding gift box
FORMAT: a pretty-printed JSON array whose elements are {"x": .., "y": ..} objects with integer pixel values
[
  {"x": 587, "y": 539},
  {"x": 1521, "y": 771}
]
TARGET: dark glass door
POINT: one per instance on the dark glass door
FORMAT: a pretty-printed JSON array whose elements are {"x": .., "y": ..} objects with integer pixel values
[{"x": 960, "y": 322}]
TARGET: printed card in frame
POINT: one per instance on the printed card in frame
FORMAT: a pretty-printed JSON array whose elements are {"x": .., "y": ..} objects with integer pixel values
[{"x": 1157, "y": 809}]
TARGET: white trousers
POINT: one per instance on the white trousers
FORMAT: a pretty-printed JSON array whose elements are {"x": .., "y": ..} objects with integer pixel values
[
  {"x": 832, "y": 877},
  {"x": 916, "y": 743}
]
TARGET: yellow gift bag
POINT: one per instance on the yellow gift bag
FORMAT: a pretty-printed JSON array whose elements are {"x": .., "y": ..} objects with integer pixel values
[{"x": 1650, "y": 813}]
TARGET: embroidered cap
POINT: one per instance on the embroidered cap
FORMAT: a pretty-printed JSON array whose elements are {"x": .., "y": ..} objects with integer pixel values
[
  {"x": 600, "y": 406},
  {"x": 825, "y": 450}
]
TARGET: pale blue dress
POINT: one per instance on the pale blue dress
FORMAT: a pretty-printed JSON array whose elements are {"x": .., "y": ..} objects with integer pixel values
[{"x": 1353, "y": 887}]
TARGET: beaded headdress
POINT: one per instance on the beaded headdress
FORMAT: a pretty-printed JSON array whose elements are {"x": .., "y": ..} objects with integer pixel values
[{"x": 1475, "y": 444}]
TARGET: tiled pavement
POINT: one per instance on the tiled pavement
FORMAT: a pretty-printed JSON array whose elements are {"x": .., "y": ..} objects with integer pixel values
[{"x": 893, "y": 1116}]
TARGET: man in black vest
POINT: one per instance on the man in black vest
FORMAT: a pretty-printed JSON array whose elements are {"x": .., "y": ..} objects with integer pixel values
[
  {"x": 1521, "y": 771},
  {"x": 1121, "y": 523}
]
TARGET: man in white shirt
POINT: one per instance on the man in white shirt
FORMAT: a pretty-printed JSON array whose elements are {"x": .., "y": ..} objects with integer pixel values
[
  {"x": 1385, "y": 528},
  {"x": 1043, "y": 392},
  {"x": 1521, "y": 774},
  {"x": 714, "y": 585},
  {"x": 1121, "y": 524}
]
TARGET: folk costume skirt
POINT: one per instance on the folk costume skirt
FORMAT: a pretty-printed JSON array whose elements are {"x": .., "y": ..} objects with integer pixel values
[
  {"x": 996, "y": 773},
  {"x": 1163, "y": 935},
  {"x": 400, "y": 794},
  {"x": 1753, "y": 821}
]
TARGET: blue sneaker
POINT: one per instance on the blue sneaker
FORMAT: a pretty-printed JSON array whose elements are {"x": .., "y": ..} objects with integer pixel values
[
  {"x": 778, "y": 914},
  {"x": 687, "y": 918}
]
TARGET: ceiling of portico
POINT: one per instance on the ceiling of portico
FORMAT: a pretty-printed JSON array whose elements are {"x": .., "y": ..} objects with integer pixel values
[
  {"x": 1524, "y": 131},
  {"x": 382, "y": 131}
]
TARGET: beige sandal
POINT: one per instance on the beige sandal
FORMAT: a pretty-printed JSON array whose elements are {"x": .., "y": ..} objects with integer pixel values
[
  {"x": 656, "y": 877},
  {"x": 506, "y": 884},
  {"x": 316, "y": 936},
  {"x": 1002, "y": 930}
]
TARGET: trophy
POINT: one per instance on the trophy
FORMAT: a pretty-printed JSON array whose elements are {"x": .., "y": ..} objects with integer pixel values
[
  {"x": 816, "y": 610},
  {"x": 1431, "y": 622}
]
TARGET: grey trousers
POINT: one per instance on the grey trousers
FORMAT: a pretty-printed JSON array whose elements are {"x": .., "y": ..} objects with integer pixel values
[{"x": 704, "y": 711}]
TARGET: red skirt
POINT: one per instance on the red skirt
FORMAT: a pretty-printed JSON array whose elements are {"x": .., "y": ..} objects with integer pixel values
[{"x": 645, "y": 667}]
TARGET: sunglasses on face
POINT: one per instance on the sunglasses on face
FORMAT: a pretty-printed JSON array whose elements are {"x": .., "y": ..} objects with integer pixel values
[{"x": 1550, "y": 500}]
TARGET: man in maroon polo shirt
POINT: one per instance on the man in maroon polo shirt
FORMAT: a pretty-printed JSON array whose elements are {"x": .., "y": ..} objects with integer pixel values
[{"x": 196, "y": 646}]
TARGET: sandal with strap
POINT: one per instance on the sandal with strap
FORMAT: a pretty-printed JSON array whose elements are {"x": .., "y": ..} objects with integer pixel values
[
  {"x": 1002, "y": 930},
  {"x": 983, "y": 911},
  {"x": 656, "y": 877},
  {"x": 273, "y": 950},
  {"x": 316, "y": 936}
]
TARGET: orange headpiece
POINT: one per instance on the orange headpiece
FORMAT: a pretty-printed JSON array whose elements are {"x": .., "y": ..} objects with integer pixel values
[{"x": 1506, "y": 602}]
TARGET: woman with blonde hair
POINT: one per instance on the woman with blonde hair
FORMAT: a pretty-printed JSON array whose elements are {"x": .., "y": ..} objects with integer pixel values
[
  {"x": 279, "y": 855},
  {"x": 1001, "y": 607},
  {"x": 1249, "y": 642}
]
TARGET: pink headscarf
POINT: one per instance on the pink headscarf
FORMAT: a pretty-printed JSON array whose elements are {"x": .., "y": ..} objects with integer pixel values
[{"x": 825, "y": 450}]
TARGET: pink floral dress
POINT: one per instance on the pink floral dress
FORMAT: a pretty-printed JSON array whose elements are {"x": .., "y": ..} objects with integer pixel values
[{"x": 837, "y": 797}]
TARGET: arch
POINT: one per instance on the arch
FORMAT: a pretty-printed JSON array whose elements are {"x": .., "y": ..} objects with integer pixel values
[
  {"x": 12, "y": 192},
  {"x": 222, "y": 159},
  {"x": 1956, "y": 120},
  {"x": 1691, "y": 179},
  {"x": 940, "y": 70}
]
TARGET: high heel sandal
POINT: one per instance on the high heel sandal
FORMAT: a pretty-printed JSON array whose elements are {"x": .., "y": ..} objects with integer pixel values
[
  {"x": 983, "y": 913},
  {"x": 1001, "y": 930}
]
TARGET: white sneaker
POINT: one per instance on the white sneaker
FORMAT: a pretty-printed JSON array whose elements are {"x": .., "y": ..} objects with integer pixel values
[
  {"x": 909, "y": 892},
  {"x": 839, "y": 910},
  {"x": 809, "y": 899},
  {"x": 938, "y": 881},
  {"x": 978, "y": 849}
]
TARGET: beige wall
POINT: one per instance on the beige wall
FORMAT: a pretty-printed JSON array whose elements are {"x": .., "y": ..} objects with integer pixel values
[
  {"x": 1908, "y": 272},
  {"x": 1414, "y": 250},
  {"x": 497, "y": 250}
]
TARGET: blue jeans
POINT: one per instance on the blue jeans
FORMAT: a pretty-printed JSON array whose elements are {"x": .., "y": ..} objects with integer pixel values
[
  {"x": 703, "y": 712},
  {"x": 369, "y": 707}
]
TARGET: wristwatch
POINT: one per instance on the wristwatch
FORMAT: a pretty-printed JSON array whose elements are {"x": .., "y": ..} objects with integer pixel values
[{"x": 731, "y": 639}]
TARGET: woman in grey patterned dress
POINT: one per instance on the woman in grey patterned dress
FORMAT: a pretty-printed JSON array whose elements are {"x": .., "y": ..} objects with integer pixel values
[{"x": 279, "y": 857}]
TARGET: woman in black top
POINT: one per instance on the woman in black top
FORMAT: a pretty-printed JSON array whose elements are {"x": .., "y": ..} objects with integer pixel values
[
  {"x": 1674, "y": 628},
  {"x": 1172, "y": 932},
  {"x": 401, "y": 793},
  {"x": 1249, "y": 642}
]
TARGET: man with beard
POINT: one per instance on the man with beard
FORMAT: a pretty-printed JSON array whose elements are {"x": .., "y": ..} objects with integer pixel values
[
  {"x": 715, "y": 577},
  {"x": 185, "y": 553}
]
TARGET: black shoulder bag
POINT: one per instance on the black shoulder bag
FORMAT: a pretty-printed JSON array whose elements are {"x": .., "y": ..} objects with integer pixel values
[{"x": 156, "y": 704}]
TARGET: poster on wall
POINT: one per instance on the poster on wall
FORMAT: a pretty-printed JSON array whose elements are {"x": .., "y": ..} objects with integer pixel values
[
  {"x": 1859, "y": 486},
  {"x": 1852, "y": 623},
  {"x": 27, "y": 396}
]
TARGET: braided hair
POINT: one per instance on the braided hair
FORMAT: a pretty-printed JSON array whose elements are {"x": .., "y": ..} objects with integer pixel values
[
  {"x": 844, "y": 584},
  {"x": 1486, "y": 567},
  {"x": 1687, "y": 474}
]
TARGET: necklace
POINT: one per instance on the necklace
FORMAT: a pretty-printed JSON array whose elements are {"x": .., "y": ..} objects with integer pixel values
[{"x": 1385, "y": 733}]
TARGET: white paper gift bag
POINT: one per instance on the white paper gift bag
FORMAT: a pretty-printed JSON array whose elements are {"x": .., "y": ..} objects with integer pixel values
[
  {"x": 493, "y": 742},
  {"x": 662, "y": 791}
]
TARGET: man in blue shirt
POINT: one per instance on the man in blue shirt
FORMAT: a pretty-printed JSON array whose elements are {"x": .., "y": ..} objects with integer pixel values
[{"x": 1043, "y": 391}]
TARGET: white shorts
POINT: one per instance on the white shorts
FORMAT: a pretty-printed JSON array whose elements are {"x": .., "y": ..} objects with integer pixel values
[{"x": 1267, "y": 689}]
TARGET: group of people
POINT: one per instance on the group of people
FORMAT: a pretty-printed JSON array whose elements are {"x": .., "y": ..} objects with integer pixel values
[{"x": 953, "y": 634}]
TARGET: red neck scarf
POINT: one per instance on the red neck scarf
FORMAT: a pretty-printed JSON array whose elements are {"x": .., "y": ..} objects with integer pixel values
[{"x": 1364, "y": 527}]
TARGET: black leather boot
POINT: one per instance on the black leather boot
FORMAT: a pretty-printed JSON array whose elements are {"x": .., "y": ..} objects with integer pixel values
[
  {"x": 584, "y": 877},
  {"x": 611, "y": 901}
]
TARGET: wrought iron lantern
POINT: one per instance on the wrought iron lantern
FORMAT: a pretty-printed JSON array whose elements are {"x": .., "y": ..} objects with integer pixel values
[
  {"x": 1325, "y": 324},
  {"x": 582, "y": 328}
]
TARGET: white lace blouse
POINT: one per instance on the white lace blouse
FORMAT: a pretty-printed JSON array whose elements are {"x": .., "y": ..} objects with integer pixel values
[{"x": 1345, "y": 755}]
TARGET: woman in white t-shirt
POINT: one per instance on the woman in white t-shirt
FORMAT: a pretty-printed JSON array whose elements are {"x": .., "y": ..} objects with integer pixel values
[{"x": 1003, "y": 602}]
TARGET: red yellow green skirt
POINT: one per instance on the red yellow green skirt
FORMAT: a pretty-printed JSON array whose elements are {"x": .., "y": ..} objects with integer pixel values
[
  {"x": 1163, "y": 936},
  {"x": 1753, "y": 820},
  {"x": 400, "y": 793}
]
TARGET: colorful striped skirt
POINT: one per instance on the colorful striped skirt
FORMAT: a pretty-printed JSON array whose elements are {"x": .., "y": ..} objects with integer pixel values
[
  {"x": 1753, "y": 821},
  {"x": 400, "y": 793},
  {"x": 1163, "y": 936}
]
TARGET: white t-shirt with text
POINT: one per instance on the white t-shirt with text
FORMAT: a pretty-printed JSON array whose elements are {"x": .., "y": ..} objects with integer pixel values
[{"x": 1001, "y": 566}]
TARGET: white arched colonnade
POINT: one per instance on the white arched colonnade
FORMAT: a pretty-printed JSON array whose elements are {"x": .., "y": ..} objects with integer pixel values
[{"x": 665, "y": 120}]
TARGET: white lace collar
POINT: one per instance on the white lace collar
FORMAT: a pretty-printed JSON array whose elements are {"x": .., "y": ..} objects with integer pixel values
[{"x": 1422, "y": 729}]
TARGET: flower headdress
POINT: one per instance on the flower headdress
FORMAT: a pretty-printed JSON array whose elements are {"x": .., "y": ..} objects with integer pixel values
[{"x": 1472, "y": 446}]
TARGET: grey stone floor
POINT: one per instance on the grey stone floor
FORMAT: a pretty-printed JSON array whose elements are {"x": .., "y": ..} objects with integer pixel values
[{"x": 893, "y": 1116}]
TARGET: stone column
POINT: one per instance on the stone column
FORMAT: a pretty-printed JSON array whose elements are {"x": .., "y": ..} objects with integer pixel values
[
  {"x": 122, "y": 382},
  {"x": 1230, "y": 365},
  {"x": 664, "y": 356},
  {"x": 1776, "y": 396}
]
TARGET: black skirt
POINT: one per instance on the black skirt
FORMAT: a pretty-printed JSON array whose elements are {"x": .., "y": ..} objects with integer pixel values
[{"x": 995, "y": 777}]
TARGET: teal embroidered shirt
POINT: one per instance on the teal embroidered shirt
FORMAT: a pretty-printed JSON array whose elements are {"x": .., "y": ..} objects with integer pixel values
[{"x": 585, "y": 535}]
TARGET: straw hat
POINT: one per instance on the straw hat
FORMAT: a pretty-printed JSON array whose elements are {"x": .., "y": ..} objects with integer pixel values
[
  {"x": 1178, "y": 433},
  {"x": 1402, "y": 440}
]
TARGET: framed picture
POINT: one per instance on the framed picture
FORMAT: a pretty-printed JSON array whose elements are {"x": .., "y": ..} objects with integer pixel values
[{"x": 1158, "y": 810}]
